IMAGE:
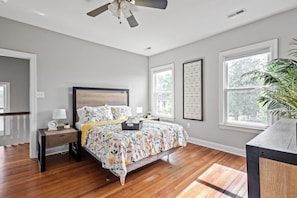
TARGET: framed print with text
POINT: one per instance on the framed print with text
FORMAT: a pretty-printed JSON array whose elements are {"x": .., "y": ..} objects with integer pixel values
[{"x": 192, "y": 90}]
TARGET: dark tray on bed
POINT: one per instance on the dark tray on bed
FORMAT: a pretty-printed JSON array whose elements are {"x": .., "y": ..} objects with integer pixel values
[{"x": 131, "y": 126}]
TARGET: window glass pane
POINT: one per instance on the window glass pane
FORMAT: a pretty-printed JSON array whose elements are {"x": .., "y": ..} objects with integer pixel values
[
  {"x": 1, "y": 107},
  {"x": 237, "y": 67},
  {"x": 164, "y": 81},
  {"x": 1, "y": 97},
  {"x": 164, "y": 104},
  {"x": 243, "y": 108}
]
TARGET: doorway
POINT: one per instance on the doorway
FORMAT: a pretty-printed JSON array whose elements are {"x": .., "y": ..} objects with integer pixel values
[{"x": 32, "y": 94}]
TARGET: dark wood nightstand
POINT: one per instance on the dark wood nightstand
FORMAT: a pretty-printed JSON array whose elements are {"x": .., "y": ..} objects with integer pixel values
[{"x": 48, "y": 139}]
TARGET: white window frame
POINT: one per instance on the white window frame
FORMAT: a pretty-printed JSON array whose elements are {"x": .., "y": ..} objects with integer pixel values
[
  {"x": 6, "y": 86},
  {"x": 272, "y": 47},
  {"x": 153, "y": 71}
]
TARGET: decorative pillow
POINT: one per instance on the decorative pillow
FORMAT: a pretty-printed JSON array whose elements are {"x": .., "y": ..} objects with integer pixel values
[
  {"x": 101, "y": 113},
  {"x": 94, "y": 114},
  {"x": 84, "y": 114},
  {"x": 121, "y": 112}
]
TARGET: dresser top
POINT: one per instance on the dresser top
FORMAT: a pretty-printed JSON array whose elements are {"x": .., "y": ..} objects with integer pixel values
[{"x": 281, "y": 136}]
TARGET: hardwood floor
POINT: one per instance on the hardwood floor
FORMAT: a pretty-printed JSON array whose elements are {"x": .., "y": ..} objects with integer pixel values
[{"x": 193, "y": 171}]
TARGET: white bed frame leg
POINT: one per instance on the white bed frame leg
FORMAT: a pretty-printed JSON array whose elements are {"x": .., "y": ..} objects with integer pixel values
[{"x": 122, "y": 179}]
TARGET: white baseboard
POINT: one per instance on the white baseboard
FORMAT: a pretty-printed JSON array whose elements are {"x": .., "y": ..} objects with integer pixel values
[{"x": 221, "y": 147}]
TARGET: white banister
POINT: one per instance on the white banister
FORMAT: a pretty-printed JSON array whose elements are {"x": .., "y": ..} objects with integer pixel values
[{"x": 15, "y": 128}]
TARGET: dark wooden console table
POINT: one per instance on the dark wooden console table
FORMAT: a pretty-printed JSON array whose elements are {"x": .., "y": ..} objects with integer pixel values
[{"x": 272, "y": 161}]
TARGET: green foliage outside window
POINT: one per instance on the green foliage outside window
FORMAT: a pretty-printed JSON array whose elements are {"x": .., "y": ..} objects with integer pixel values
[
  {"x": 242, "y": 95},
  {"x": 164, "y": 90}
]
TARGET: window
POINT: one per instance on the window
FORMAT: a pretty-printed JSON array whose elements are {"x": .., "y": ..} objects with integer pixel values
[
  {"x": 239, "y": 109},
  {"x": 162, "y": 89},
  {"x": 4, "y": 103}
]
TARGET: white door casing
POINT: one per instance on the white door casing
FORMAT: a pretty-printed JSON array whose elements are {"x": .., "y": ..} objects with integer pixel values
[{"x": 32, "y": 93}]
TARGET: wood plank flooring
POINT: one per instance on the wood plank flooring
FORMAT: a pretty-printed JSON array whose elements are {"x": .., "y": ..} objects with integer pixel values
[{"x": 193, "y": 171}]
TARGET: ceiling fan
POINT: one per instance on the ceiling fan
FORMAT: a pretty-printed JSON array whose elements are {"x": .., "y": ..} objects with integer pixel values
[{"x": 122, "y": 8}]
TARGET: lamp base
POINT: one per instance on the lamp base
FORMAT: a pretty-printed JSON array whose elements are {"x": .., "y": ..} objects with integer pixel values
[{"x": 52, "y": 129}]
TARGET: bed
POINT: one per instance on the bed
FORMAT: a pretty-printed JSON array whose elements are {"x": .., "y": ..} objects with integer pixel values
[{"x": 99, "y": 112}]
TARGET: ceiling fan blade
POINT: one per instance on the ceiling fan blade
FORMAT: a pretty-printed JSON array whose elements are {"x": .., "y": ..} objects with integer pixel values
[
  {"x": 132, "y": 21},
  {"x": 161, "y": 4},
  {"x": 98, "y": 11}
]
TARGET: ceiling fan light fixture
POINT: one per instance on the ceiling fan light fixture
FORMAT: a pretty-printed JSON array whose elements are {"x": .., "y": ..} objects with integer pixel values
[
  {"x": 114, "y": 9},
  {"x": 121, "y": 8},
  {"x": 125, "y": 9}
]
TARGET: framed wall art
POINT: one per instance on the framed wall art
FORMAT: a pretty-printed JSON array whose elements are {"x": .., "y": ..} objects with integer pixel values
[{"x": 192, "y": 90}]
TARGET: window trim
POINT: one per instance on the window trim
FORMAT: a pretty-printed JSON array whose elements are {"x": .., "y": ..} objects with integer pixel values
[
  {"x": 272, "y": 46},
  {"x": 169, "y": 66}
]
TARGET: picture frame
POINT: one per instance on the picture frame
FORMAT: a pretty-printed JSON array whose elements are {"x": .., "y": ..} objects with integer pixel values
[{"x": 193, "y": 90}]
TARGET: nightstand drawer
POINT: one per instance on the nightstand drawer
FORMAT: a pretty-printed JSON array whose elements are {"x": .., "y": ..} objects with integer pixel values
[{"x": 60, "y": 139}]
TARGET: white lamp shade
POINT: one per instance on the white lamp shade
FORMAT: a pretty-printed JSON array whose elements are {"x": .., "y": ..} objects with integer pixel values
[
  {"x": 59, "y": 114},
  {"x": 139, "y": 110}
]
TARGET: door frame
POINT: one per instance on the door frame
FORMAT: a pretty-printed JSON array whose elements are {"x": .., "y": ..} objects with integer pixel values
[{"x": 32, "y": 93}]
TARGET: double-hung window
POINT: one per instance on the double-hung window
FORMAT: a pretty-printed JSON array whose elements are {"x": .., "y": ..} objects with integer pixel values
[
  {"x": 239, "y": 109},
  {"x": 162, "y": 91}
]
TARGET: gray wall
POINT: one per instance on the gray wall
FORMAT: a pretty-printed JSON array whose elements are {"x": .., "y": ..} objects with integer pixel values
[
  {"x": 64, "y": 62},
  {"x": 282, "y": 26},
  {"x": 16, "y": 72}
]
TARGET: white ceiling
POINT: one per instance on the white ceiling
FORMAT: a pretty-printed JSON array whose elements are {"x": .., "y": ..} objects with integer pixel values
[{"x": 183, "y": 21}]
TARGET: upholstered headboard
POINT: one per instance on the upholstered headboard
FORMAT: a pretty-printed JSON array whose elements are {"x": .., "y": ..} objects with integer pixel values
[{"x": 91, "y": 96}]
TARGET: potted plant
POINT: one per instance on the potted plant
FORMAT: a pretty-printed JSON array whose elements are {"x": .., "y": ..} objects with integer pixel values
[
  {"x": 149, "y": 114},
  {"x": 280, "y": 84}
]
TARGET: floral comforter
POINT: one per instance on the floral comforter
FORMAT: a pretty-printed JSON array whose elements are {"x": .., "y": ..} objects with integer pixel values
[{"x": 117, "y": 148}]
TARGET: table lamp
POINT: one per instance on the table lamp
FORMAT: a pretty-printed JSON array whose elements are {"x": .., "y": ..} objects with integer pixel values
[{"x": 58, "y": 115}]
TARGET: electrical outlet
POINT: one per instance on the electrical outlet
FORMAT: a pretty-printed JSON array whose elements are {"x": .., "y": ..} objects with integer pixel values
[
  {"x": 40, "y": 94},
  {"x": 188, "y": 125}
]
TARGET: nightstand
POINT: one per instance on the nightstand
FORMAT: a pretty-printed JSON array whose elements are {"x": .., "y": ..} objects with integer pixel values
[{"x": 48, "y": 139}]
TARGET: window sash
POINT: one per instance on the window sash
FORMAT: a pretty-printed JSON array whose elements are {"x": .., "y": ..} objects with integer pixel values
[
  {"x": 240, "y": 89},
  {"x": 155, "y": 92},
  {"x": 254, "y": 119},
  {"x": 231, "y": 68}
]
